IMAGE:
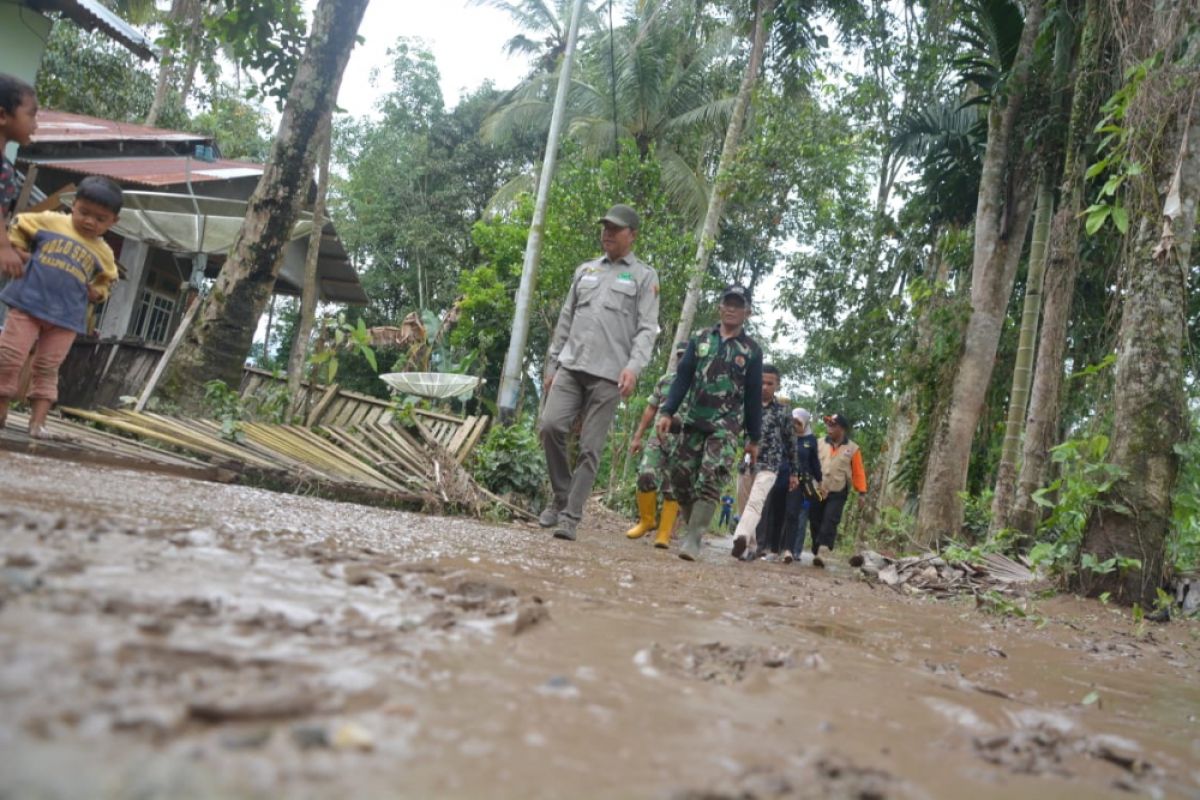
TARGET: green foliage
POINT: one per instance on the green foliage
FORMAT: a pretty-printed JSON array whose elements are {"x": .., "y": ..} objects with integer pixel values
[
  {"x": 240, "y": 127},
  {"x": 265, "y": 36},
  {"x": 893, "y": 532},
  {"x": 1001, "y": 605},
  {"x": 336, "y": 336},
  {"x": 1113, "y": 150},
  {"x": 226, "y": 407},
  {"x": 418, "y": 179},
  {"x": 88, "y": 73},
  {"x": 1083, "y": 487},
  {"x": 1183, "y": 545},
  {"x": 231, "y": 410},
  {"x": 509, "y": 462},
  {"x": 977, "y": 514}
]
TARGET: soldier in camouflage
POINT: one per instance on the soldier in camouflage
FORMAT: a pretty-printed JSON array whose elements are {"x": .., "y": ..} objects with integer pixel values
[
  {"x": 652, "y": 468},
  {"x": 720, "y": 377}
]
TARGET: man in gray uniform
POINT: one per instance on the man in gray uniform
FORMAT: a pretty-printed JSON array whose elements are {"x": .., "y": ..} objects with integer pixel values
[{"x": 604, "y": 337}]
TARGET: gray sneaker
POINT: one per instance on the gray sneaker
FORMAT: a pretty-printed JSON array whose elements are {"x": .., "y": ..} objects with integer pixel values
[
  {"x": 566, "y": 528},
  {"x": 548, "y": 518}
]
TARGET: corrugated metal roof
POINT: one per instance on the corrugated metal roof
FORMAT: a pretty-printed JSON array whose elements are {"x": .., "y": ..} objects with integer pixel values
[
  {"x": 155, "y": 171},
  {"x": 61, "y": 127},
  {"x": 92, "y": 15}
]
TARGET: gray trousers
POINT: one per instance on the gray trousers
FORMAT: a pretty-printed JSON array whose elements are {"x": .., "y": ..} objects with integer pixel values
[{"x": 574, "y": 393}]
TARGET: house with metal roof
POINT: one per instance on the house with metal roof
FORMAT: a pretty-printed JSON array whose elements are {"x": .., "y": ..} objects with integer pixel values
[{"x": 184, "y": 203}]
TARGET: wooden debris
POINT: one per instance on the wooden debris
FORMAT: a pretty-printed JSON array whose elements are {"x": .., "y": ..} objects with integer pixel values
[
  {"x": 933, "y": 574},
  {"x": 372, "y": 460}
]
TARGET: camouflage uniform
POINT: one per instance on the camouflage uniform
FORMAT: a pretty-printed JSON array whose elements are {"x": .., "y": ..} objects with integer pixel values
[
  {"x": 722, "y": 381},
  {"x": 652, "y": 468}
]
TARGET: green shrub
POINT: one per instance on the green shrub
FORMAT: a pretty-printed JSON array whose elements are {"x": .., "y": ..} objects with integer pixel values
[
  {"x": 509, "y": 462},
  {"x": 1086, "y": 477}
]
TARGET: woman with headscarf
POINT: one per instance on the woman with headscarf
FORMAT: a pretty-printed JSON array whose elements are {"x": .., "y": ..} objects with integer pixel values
[{"x": 801, "y": 498}]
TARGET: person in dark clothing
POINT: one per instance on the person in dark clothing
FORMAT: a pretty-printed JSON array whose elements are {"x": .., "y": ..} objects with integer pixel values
[{"x": 801, "y": 499}]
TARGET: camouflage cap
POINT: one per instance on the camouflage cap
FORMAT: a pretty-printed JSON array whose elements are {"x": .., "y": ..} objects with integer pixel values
[{"x": 737, "y": 290}]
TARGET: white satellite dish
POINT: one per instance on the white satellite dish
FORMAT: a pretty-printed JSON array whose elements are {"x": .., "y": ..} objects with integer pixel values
[{"x": 434, "y": 385}]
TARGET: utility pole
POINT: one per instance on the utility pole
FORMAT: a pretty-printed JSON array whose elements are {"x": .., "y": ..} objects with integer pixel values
[{"x": 514, "y": 362}]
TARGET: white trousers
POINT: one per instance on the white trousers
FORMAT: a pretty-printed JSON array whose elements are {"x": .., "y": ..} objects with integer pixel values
[{"x": 752, "y": 513}]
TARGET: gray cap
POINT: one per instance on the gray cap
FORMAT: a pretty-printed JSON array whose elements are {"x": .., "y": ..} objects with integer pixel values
[{"x": 622, "y": 215}]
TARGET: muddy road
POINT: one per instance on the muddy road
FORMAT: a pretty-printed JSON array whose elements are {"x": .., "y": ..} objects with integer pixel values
[{"x": 163, "y": 638}]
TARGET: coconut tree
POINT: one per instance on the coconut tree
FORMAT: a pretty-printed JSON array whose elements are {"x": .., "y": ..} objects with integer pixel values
[
  {"x": 543, "y": 37},
  {"x": 663, "y": 93}
]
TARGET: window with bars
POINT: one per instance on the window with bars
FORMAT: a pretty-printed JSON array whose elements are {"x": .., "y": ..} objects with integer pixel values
[{"x": 153, "y": 319}]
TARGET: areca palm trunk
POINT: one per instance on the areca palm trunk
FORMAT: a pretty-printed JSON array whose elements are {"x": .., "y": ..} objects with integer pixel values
[
  {"x": 723, "y": 182},
  {"x": 216, "y": 346},
  {"x": 1149, "y": 404},
  {"x": 308, "y": 295},
  {"x": 1042, "y": 419},
  {"x": 1018, "y": 400},
  {"x": 1002, "y": 217}
]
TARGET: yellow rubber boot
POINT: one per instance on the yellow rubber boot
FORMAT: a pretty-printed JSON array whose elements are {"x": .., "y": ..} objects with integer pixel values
[
  {"x": 647, "y": 502},
  {"x": 670, "y": 511}
]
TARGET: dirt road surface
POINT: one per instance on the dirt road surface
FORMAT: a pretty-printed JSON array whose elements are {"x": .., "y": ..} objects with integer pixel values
[{"x": 164, "y": 638}]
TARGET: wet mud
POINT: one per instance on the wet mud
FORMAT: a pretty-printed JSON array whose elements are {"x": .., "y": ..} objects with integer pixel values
[{"x": 165, "y": 638}]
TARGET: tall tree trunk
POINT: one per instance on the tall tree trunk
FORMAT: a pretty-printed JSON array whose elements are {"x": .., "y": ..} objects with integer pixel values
[
  {"x": 883, "y": 491},
  {"x": 216, "y": 346},
  {"x": 1018, "y": 399},
  {"x": 308, "y": 296},
  {"x": 1039, "y": 251},
  {"x": 723, "y": 182},
  {"x": 180, "y": 11},
  {"x": 166, "y": 60},
  {"x": 1149, "y": 404},
  {"x": 1001, "y": 222},
  {"x": 1041, "y": 422}
]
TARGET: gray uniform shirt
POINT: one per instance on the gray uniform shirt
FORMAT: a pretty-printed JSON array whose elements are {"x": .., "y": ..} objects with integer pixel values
[{"x": 610, "y": 319}]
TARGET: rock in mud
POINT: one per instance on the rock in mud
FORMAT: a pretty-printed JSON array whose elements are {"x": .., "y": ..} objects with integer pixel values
[
  {"x": 352, "y": 736},
  {"x": 719, "y": 662},
  {"x": 824, "y": 778},
  {"x": 472, "y": 595},
  {"x": 529, "y": 614},
  {"x": 18, "y": 581},
  {"x": 308, "y": 737},
  {"x": 245, "y": 740},
  {"x": 266, "y": 705}
]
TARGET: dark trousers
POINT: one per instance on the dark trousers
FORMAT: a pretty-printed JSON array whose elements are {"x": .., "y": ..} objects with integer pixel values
[
  {"x": 825, "y": 517},
  {"x": 796, "y": 521},
  {"x": 769, "y": 532}
]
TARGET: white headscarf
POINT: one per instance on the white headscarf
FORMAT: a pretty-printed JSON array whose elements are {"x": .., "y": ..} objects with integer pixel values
[{"x": 802, "y": 416}]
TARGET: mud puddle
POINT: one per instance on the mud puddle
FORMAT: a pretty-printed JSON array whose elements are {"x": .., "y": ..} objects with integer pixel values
[{"x": 168, "y": 638}]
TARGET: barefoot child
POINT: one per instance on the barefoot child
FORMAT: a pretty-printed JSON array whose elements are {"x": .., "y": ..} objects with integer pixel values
[{"x": 70, "y": 265}]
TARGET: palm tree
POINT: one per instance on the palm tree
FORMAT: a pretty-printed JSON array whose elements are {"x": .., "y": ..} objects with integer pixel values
[
  {"x": 545, "y": 24},
  {"x": 663, "y": 92}
]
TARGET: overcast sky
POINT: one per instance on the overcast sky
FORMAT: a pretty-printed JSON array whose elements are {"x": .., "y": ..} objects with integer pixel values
[{"x": 467, "y": 41}]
